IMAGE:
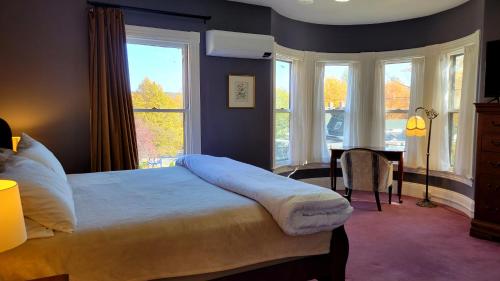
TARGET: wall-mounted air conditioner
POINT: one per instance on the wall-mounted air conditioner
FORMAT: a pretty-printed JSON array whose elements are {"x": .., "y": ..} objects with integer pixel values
[{"x": 239, "y": 45}]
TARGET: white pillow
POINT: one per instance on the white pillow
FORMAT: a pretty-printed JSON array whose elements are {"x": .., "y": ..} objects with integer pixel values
[
  {"x": 45, "y": 196},
  {"x": 36, "y": 230},
  {"x": 32, "y": 149}
]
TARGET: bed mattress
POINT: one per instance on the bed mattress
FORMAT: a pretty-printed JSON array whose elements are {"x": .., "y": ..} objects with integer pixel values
[{"x": 156, "y": 223}]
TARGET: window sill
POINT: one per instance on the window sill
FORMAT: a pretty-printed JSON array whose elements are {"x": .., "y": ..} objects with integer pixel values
[{"x": 441, "y": 174}]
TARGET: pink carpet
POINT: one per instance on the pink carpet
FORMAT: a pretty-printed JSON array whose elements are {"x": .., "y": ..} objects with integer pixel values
[{"x": 409, "y": 243}]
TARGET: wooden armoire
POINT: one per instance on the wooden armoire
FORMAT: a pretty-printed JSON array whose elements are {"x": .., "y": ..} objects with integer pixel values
[{"x": 486, "y": 222}]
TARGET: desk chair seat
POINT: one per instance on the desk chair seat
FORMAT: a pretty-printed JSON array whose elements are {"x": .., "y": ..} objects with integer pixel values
[{"x": 364, "y": 168}]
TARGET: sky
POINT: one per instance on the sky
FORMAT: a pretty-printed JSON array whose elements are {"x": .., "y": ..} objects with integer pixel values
[
  {"x": 282, "y": 75},
  {"x": 160, "y": 64},
  {"x": 400, "y": 71}
]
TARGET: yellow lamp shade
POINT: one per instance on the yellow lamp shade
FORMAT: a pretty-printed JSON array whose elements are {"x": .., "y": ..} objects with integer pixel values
[
  {"x": 13, "y": 230},
  {"x": 415, "y": 127},
  {"x": 15, "y": 141}
]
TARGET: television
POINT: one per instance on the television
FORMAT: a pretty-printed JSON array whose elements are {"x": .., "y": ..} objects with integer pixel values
[{"x": 492, "y": 86}]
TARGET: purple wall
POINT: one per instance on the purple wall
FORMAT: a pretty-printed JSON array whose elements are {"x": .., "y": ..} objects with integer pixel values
[
  {"x": 44, "y": 70},
  {"x": 491, "y": 32},
  {"x": 44, "y": 87}
]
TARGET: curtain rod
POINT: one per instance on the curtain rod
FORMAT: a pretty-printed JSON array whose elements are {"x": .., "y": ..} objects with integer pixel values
[{"x": 139, "y": 9}]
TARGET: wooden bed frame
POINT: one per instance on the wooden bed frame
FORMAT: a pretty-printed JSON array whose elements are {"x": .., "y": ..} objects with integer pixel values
[{"x": 329, "y": 267}]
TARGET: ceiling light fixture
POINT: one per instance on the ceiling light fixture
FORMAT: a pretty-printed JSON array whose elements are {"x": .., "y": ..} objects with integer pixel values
[{"x": 342, "y": 1}]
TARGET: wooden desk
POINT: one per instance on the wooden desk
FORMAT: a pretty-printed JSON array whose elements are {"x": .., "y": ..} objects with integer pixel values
[{"x": 391, "y": 154}]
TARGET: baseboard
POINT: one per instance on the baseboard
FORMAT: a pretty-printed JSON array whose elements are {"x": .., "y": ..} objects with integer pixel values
[
  {"x": 446, "y": 197},
  {"x": 442, "y": 196}
]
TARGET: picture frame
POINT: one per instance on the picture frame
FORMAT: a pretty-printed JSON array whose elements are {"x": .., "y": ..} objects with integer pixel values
[{"x": 241, "y": 91}]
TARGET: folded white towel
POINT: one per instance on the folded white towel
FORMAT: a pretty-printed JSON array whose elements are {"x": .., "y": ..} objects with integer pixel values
[{"x": 298, "y": 208}]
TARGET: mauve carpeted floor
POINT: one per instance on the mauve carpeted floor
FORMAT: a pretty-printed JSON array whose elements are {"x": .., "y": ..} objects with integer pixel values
[{"x": 409, "y": 243}]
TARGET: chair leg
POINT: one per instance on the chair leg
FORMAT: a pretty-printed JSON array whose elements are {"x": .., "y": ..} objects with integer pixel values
[
  {"x": 390, "y": 194},
  {"x": 377, "y": 198},
  {"x": 348, "y": 195}
]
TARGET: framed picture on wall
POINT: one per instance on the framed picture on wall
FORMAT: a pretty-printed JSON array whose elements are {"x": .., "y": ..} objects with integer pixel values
[{"x": 241, "y": 91}]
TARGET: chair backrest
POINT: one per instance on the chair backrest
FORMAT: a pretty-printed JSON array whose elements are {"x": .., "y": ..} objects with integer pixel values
[
  {"x": 364, "y": 168},
  {"x": 5, "y": 135}
]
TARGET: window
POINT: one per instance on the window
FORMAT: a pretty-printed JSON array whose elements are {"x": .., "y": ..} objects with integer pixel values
[
  {"x": 397, "y": 102},
  {"x": 163, "y": 87},
  {"x": 283, "y": 74},
  {"x": 455, "y": 92},
  {"x": 335, "y": 89}
]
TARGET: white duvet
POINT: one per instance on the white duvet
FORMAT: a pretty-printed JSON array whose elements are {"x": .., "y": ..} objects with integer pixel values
[
  {"x": 298, "y": 208},
  {"x": 156, "y": 223}
]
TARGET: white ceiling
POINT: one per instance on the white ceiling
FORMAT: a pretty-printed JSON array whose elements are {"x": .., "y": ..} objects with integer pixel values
[{"x": 356, "y": 11}]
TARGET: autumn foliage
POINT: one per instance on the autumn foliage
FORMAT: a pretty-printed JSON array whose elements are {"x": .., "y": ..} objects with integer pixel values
[{"x": 159, "y": 134}]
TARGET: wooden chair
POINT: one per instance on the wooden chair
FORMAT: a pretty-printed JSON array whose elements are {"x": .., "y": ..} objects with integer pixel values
[{"x": 363, "y": 168}]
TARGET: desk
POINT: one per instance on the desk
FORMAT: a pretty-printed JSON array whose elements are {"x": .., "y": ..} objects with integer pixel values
[{"x": 390, "y": 154}]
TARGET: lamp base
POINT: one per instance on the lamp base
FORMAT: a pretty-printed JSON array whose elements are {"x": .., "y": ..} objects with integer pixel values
[{"x": 426, "y": 203}]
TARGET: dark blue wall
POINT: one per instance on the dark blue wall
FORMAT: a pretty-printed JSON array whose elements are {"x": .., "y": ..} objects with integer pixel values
[
  {"x": 44, "y": 74},
  {"x": 439, "y": 28}
]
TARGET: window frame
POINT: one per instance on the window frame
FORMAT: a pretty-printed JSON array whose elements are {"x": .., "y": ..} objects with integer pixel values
[
  {"x": 452, "y": 110},
  {"x": 282, "y": 110},
  {"x": 189, "y": 42}
]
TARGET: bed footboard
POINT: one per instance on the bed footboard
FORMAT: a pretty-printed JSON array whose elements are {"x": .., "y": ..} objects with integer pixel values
[
  {"x": 329, "y": 267},
  {"x": 339, "y": 252}
]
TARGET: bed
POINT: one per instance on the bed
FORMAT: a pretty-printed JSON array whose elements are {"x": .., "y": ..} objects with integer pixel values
[{"x": 170, "y": 224}]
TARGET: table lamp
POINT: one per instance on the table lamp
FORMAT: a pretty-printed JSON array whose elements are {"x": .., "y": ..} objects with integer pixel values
[
  {"x": 13, "y": 230},
  {"x": 15, "y": 142},
  {"x": 415, "y": 127}
]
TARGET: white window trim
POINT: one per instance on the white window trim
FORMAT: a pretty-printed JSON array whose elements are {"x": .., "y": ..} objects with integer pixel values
[
  {"x": 190, "y": 41},
  {"x": 396, "y": 111},
  {"x": 280, "y": 57},
  {"x": 347, "y": 63}
]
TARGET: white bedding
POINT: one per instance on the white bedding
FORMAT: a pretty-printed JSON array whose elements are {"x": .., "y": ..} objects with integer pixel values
[
  {"x": 299, "y": 208},
  {"x": 147, "y": 224}
]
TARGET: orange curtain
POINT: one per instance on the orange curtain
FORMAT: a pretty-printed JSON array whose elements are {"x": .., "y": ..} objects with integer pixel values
[{"x": 113, "y": 140}]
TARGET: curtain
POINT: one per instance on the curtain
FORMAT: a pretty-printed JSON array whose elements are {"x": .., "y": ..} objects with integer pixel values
[
  {"x": 319, "y": 150},
  {"x": 439, "y": 151},
  {"x": 113, "y": 140},
  {"x": 415, "y": 147},
  {"x": 465, "y": 141},
  {"x": 299, "y": 119},
  {"x": 355, "y": 111},
  {"x": 378, "y": 121}
]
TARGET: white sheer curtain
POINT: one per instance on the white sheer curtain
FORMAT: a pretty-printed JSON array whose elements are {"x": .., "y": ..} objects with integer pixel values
[
  {"x": 355, "y": 111},
  {"x": 300, "y": 117},
  {"x": 465, "y": 141},
  {"x": 378, "y": 113},
  {"x": 440, "y": 153},
  {"x": 415, "y": 147},
  {"x": 319, "y": 151}
]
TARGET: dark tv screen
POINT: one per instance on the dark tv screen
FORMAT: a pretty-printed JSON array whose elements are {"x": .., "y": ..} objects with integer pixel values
[{"x": 492, "y": 69}]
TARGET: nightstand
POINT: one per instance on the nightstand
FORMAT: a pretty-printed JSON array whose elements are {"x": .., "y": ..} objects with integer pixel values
[{"x": 63, "y": 277}]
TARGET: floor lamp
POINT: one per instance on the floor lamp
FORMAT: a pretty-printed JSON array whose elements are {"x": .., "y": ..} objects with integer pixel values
[{"x": 415, "y": 127}]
